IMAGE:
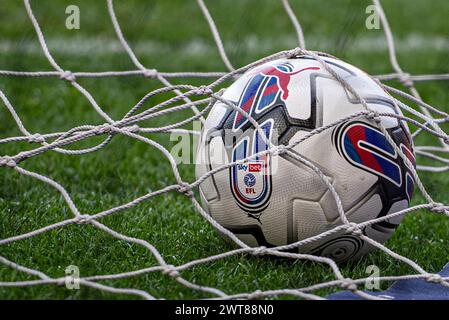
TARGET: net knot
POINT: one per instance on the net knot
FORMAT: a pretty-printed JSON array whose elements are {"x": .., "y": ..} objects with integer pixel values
[
  {"x": 255, "y": 295},
  {"x": 204, "y": 90},
  {"x": 354, "y": 229},
  {"x": 134, "y": 128},
  {"x": 150, "y": 73},
  {"x": 405, "y": 79},
  {"x": 260, "y": 251},
  {"x": 84, "y": 219},
  {"x": 67, "y": 75},
  {"x": 222, "y": 90},
  {"x": 104, "y": 128},
  {"x": 348, "y": 284},
  {"x": 373, "y": 116},
  {"x": 186, "y": 189},
  {"x": 435, "y": 278},
  {"x": 446, "y": 138},
  {"x": 171, "y": 271},
  {"x": 295, "y": 52},
  {"x": 7, "y": 161},
  {"x": 37, "y": 137},
  {"x": 279, "y": 150},
  {"x": 438, "y": 207}
]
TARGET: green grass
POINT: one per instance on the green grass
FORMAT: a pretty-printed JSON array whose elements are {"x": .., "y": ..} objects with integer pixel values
[{"x": 167, "y": 35}]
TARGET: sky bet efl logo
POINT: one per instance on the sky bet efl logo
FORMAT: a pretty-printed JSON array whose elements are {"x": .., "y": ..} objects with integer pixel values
[
  {"x": 251, "y": 180},
  {"x": 251, "y": 185}
]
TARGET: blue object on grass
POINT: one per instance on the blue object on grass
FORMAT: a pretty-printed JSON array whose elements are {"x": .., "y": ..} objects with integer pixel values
[{"x": 413, "y": 289}]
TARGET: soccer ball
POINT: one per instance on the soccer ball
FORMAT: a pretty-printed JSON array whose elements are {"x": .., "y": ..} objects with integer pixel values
[{"x": 274, "y": 200}]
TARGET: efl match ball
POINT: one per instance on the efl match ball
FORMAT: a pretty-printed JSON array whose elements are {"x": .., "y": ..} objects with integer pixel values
[{"x": 273, "y": 200}]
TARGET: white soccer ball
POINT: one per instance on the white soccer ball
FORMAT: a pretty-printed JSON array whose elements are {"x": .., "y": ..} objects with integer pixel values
[{"x": 274, "y": 200}]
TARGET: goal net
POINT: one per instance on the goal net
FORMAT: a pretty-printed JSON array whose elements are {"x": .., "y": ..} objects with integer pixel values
[{"x": 424, "y": 118}]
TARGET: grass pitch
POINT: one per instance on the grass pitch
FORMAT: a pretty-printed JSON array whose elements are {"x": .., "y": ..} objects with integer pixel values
[{"x": 173, "y": 36}]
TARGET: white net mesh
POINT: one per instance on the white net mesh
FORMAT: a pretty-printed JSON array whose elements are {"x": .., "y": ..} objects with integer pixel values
[{"x": 430, "y": 121}]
